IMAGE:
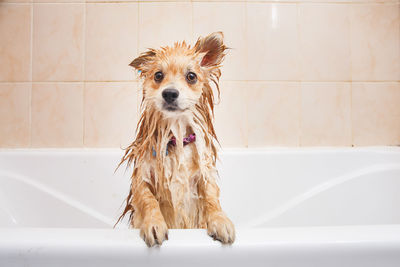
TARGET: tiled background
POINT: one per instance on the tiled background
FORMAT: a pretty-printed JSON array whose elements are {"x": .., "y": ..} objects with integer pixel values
[{"x": 301, "y": 73}]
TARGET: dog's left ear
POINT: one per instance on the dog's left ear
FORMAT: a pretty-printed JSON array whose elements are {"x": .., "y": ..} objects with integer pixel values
[
  {"x": 211, "y": 49},
  {"x": 141, "y": 63}
]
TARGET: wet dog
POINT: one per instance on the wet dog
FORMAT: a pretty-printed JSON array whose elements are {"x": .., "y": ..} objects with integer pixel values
[{"x": 174, "y": 152}]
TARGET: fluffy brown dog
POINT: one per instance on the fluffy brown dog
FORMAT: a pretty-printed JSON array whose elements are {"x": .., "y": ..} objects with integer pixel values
[{"x": 174, "y": 155}]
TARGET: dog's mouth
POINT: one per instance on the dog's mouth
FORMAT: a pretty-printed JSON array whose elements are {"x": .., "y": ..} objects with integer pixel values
[{"x": 171, "y": 107}]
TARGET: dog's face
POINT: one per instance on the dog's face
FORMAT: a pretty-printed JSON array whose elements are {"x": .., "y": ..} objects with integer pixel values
[
  {"x": 174, "y": 77},
  {"x": 174, "y": 82}
]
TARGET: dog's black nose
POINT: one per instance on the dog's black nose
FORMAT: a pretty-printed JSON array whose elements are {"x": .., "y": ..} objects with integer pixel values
[{"x": 170, "y": 95}]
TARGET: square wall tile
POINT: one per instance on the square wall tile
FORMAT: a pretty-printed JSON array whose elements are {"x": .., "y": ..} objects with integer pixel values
[
  {"x": 273, "y": 113},
  {"x": 15, "y": 42},
  {"x": 231, "y": 115},
  {"x": 14, "y": 114},
  {"x": 325, "y": 114},
  {"x": 376, "y": 113},
  {"x": 58, "y": 42},
  {"x": 57, "y": 115},
  {"x": 111, "y": 41},
  {"x": 164, "y": 23},
  {"x": 230, "y": 19},
  {"x": 111, "y": 114},
  {"x": 272, "y": 36},
  {"x": 375, "y": 42},
  {"x": 324, "y": 42}
]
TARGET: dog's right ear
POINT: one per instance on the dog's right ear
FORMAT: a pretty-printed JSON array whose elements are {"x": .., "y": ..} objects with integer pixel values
[
  {"x": 211, "y": 49},
  {"x": 142, "y": 62}
]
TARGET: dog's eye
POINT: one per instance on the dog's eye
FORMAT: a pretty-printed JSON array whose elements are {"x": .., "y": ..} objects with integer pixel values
[
  {"x": 158, "y": 76},
  {"x": 191, "y": 77}
]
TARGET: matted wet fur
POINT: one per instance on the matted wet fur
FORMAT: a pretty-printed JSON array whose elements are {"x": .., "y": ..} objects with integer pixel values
[{"x": 175, "y": 186}]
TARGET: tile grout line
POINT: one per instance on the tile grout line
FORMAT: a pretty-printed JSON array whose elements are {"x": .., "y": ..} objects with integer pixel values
[
  {"x": 137, "y": 32},
  {"x": 349, "y": 13},
  {"x": 388, "y": 2},
  {"x": 299, "y": 90},
  {"x": 84, "y": 74},
  {"x": 192, "y": 20},
  {"x": 135, "y": 73},
  {"x": 31, "y": 77},
  {"x": 351, "y": 115},
  {"x": 246, "y": 83}
]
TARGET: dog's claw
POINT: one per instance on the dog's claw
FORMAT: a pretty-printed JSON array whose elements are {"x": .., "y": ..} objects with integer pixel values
[{"x": 155, "y": 236}]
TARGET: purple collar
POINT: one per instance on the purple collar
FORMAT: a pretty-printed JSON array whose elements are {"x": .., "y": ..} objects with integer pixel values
[{"x": 187, "y": 140}]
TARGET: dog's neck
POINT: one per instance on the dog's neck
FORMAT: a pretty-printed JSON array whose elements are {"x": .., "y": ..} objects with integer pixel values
[{"x": 155, "y": 131}]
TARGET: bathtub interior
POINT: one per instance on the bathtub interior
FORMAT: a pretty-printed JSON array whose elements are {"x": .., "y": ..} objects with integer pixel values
[{"x": 259, "y": 188}]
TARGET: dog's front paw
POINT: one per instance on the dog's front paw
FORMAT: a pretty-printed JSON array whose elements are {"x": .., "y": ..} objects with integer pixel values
[
  {"x": 219, "y": 227},
  {"x": 154, "y": 231}
]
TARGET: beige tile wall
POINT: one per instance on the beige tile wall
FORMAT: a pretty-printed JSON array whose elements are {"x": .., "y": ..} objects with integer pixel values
[{"x": 300, "y": 72}]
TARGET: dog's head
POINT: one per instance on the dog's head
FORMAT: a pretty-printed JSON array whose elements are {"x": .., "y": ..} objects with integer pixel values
[{"x": 174, "y": 78}]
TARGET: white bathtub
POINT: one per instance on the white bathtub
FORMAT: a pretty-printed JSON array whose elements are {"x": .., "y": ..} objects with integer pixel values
[{"x": 291, "y": 207}]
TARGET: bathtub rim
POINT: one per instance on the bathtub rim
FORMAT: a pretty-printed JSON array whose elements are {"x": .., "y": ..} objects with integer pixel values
[{"x": 274, "y": 237}]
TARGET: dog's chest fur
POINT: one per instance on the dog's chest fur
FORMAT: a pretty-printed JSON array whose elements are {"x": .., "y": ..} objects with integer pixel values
[{"x": 178, "y": 194}]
